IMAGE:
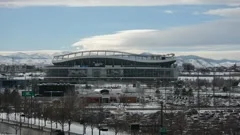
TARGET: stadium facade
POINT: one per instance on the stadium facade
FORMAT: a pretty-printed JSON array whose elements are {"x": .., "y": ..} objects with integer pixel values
[{"x": 114, "y": 65}]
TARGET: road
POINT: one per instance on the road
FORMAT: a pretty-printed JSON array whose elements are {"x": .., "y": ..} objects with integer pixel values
[{"x": 10, "y": 129}]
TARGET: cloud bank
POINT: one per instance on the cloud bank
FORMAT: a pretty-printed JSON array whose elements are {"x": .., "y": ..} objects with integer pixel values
[
  {"x": 217, "y": 36},
  {"x": 80, "y": 3},
  {"x": 226, "y": 12}
]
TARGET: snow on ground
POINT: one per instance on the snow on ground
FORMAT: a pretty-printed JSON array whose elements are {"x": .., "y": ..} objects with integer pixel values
[
  {"x": 131, "y": 105},
  {"x": 27, "y": 78},
  {"x": 206, "y": 78},
  {"x": 210, "y": 73},
  {"x": 75, "y": 127}
]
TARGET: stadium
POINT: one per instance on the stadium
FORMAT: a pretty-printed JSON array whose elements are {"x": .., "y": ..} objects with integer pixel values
[{"x": 114, "y": 65}]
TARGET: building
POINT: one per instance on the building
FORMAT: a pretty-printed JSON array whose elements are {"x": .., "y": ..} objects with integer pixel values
[
  {"x": 4, "y": 69},
  {"x": 112, "y": 65},
  {"x": 55, "y": 89},
  {"x": 110, "y": 96}
]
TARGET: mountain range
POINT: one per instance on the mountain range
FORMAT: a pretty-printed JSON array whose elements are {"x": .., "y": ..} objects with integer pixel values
[
  {"x": 41, "y": 59},
  {"x": 205, "y": 62}
]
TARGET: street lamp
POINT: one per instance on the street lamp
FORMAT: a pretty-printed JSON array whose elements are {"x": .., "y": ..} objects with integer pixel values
[
  {"x": 162, "y": 129},
  {"x": 1, "y": 115},
  {"x": 20, "y": 126},
  {"x": 40, "y": 122},
  {"x": 69, "y": 123},
  {"x": 51, "y": 120}
]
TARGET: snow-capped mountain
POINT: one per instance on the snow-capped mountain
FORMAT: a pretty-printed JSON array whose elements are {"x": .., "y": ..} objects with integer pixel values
[
  {"x": 205, "y": 62},
  {"x": 24, "y": 58},
  {"x": 46, "y": 59}
]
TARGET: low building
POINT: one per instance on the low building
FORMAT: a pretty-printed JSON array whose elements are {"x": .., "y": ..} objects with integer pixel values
[
  {"x": 109, "y": 96},
  {"x": 55, "y": 89}
]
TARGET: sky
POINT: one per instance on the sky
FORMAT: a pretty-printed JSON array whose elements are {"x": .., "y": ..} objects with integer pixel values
[{"x": 207, "y": 28}]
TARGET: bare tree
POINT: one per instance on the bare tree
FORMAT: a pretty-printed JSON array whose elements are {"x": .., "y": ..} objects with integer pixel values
[
  {"x": 117, "y": 124},
  {"x": 180, "y": 122},
  {"x": 71, "y": 106},
  {"x": 91, "y": 118},
  {"x": 66, "y": 110},
  {"x": 15, "y": 101},
  {"x": 60, "y": 113},
  {"x": 82, "y": 112}
]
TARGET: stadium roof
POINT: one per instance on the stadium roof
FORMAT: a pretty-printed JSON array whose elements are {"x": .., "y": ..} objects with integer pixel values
[{"x": 114, "y": 54}]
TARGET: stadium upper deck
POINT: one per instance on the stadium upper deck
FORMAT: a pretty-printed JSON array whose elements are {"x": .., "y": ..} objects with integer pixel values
[{"x": 105, "y": 54}]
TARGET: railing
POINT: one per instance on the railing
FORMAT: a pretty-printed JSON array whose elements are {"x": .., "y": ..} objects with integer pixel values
[{"x": 117, "y": 54}]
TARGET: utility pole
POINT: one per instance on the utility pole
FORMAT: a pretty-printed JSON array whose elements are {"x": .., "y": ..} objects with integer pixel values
[
  {"x": 25, "y": 98},
  {"x": 51, "y": 118},
  {"x": 99, "y": 131},
  {"x": 165, "y": 93},
  {"x": 229, "y": 94},
  {"x": 161, "y": 114},
  {"x": 12, "y": 70},
  {"x": 198, "y": 92},
  {"x": 162, "y": 129},
  {"x": 213, "y": 87},
  {"x": 20, "y": 128},
  {"x": 31, "y": 109}
]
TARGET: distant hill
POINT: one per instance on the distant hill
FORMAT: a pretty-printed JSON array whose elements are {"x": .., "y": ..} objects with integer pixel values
[
  {"x": 24, "y": 58},
  {"x": 205, "y": 62},
  {"x": 46, "y": 59}
]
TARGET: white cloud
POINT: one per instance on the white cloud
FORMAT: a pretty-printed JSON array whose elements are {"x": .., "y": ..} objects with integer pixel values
[
  {"x": 216, "y": 36},
  {"x": 168, "y": 11},
  {"x": 76, "y": 3},
  {"x": 226, "y": 12},
  {"x": 211, "y": 36}
]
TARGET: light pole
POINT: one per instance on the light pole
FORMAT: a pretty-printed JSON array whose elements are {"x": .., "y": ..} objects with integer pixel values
[
  {"x": 39, "y": 117},
  {"x": 165, "y": 90},
  {"x": 161, "y": 114},
  {"x": 99, "y": 131},
  {"x": 1, "y": 115},
  {"x": 213, "y": 90},
  {"x": 69, "y": 123},
  {"x": 198, "y": 91},
  {"x": 20, "y": 124},
  {"x": 229, "y": 94},
  {"x": 51, "y": 120},
  {"x": 42, "y": 121},
  {"x": 162, "y": 129}
]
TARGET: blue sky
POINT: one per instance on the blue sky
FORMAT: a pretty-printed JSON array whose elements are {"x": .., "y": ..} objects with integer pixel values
[
  {"x": 32, "y": 28},
  {"x": 47, "y": 26}
]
